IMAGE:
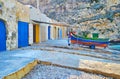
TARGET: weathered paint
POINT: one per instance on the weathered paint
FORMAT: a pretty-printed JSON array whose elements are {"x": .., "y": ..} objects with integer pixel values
[
  {"x": 2, "y": 36},
  {"x": 22, "y": 12},
  {"x": 34, "y": 13},
  {"x": 57, "y": 36},
  {"x": 41, "y": 31},
  {"x": 8, "y": 14},
  {"x": 44, "y": 32},
  {"x": 12, "y": 12},
  {"x": 51, "y": 32},
  {"x": 64, "y": 30}
]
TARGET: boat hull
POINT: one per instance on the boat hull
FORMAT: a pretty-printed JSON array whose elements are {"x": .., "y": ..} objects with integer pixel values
[{"x": 89, "y": 42}]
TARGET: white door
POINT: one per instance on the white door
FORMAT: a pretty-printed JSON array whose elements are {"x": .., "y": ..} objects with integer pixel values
[{"x": 30, "y": 33}]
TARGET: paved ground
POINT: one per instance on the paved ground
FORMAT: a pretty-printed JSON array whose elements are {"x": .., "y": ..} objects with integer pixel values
[{"x": 104, "y": 61}]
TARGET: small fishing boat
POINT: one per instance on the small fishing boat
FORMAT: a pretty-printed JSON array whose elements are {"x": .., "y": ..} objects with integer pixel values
[{"x": 91, "y": 42}]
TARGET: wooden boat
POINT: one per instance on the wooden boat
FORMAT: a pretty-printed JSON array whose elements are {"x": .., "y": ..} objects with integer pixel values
[{"x": 91, "y": 42}]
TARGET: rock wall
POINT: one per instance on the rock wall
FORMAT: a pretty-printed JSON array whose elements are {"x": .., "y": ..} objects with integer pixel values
[
  {"x": 92, "y": 15},
  {"x": 8, "y": 14},
  {"x": 22, "y": 12},
  {"x": 12, "y": 12}
]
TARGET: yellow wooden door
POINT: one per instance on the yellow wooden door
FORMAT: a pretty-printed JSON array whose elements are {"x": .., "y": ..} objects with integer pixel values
[{"x": 37, "y": 33}]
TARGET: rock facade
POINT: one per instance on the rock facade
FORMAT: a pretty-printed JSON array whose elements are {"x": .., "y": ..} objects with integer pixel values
[
  {"x": 12, "y": 12},
  {"x": 8, "y": 14},
  {"x": 93, "y": 15}
]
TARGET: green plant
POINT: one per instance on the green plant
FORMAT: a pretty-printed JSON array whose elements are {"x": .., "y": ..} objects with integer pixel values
[
  {"x": 85, "y": 33},
  {"x": 94, "y": 1}
]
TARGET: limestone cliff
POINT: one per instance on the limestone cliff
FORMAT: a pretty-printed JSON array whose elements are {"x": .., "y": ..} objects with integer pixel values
[{"x": 102, "y": 16}]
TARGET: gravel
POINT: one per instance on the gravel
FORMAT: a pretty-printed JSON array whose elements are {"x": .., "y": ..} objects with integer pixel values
[{"x": 54, "y": 72}]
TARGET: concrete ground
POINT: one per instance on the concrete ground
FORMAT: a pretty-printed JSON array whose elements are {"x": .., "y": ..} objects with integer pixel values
[{"x": 57, "y": 52}]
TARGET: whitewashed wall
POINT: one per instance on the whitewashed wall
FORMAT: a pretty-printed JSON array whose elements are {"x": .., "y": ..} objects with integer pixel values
[
  {"x": 52, "y": 34},
  {"x": 42, "y": 32},
  {"x": 34, "y": 13},
  {"x": 44, "y": 27},
  {"x": 30, "y": 34}
]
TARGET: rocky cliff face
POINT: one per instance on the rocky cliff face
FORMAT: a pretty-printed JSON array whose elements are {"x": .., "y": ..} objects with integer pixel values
[{"x": 100, "y": 16}]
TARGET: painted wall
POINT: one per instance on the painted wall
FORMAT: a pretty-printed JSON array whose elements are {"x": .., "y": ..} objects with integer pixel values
[
  {"x": 52, "y": 34},
  {"x": 30, "y": 34},
  {"x": 44, "y": 32},
  {"x": 44, "y": 27},
  {"x": 13, "y": 11},
  {"x": 23, "y": 15},
  {"x": 64, "y": 29},
  {"x": 52, "y": 30},
  {"x": 34, "y": 13},
  {"x": 22, "y": 12}
]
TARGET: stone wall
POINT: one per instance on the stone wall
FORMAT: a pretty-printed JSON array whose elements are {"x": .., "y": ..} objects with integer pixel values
[
  {"x": 8, "y": 14},
  {"x": 112, "y": 2},
  {"x": 12, "y": 12},
  {"x": 22, "y": 12}
]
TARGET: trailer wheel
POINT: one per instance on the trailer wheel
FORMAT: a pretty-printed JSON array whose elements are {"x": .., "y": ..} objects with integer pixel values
[
  {"x": 68, "y": 44},
  {"x": 92, "y": 46}
]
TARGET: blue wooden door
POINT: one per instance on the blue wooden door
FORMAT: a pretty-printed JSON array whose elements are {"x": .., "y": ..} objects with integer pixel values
[
  {"x": 2, "y": 36},
  {"x": 49, "y": 32},
  {"x": 22, "y": 34}
]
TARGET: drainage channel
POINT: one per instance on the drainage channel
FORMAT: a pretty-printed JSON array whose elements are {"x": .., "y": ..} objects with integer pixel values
[{"x": 46, "y": 70}]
